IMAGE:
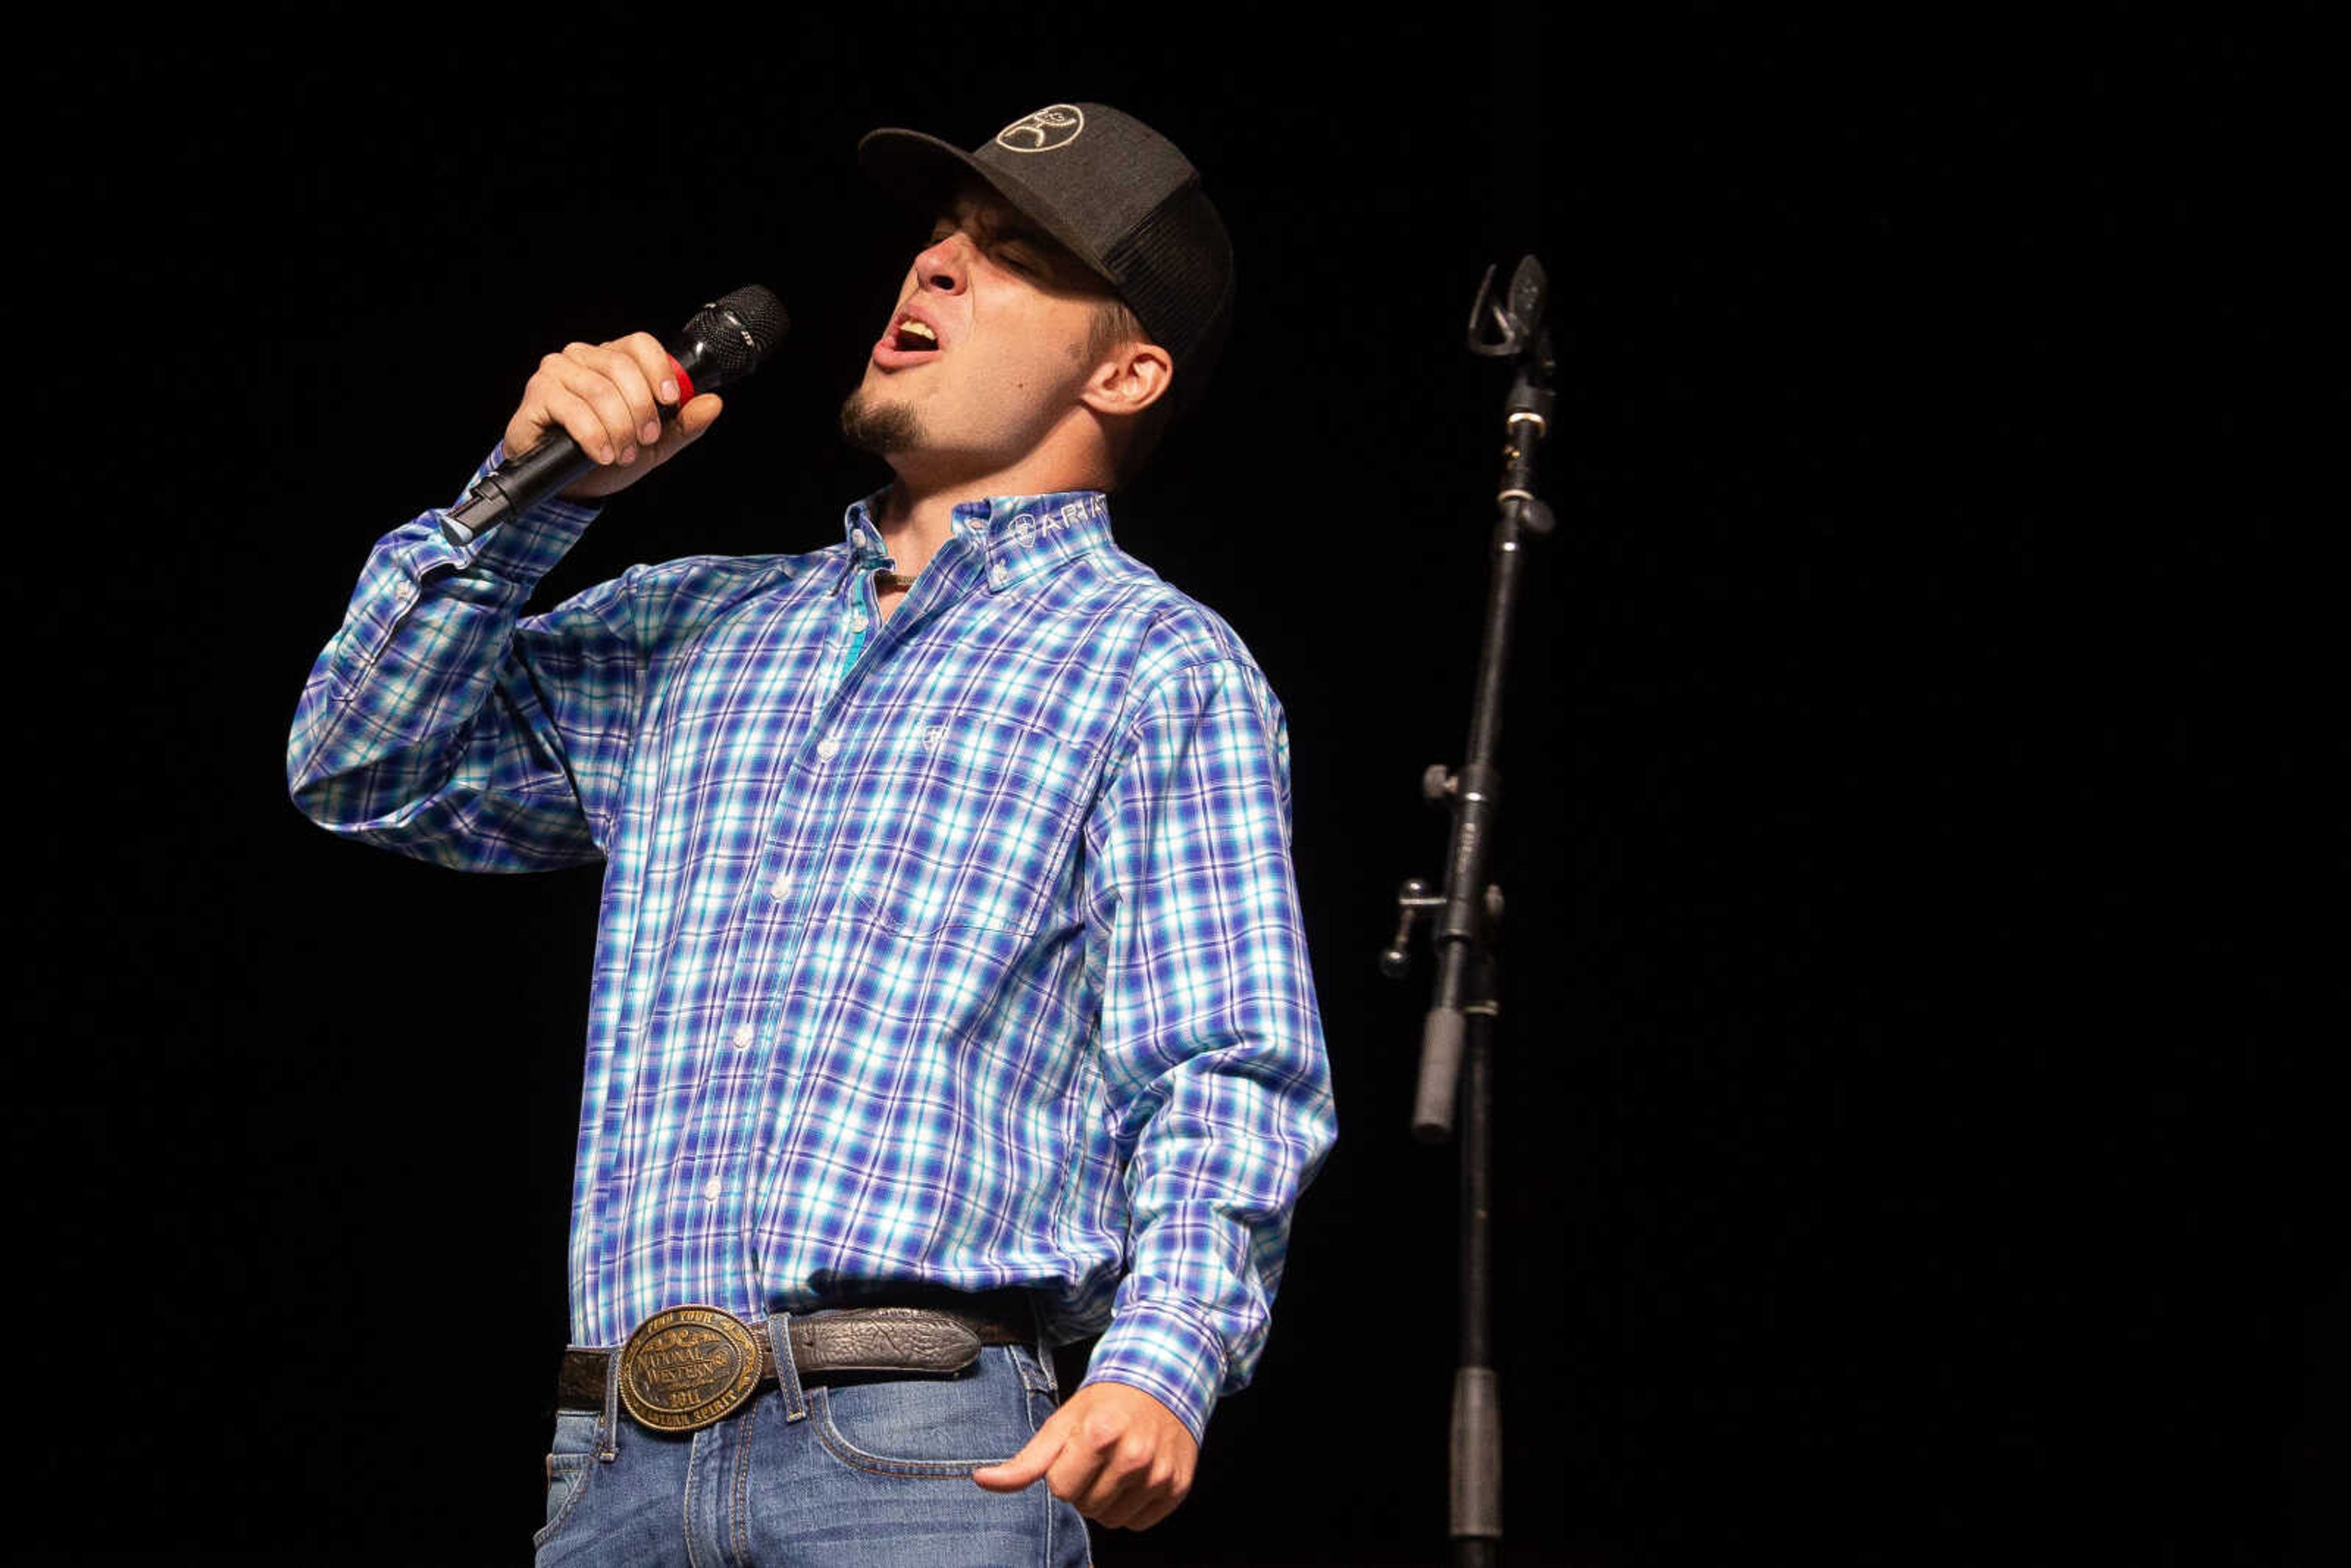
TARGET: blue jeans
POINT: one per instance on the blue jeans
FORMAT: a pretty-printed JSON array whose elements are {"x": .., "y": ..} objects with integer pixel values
[{"x": 860, "y": 1474}]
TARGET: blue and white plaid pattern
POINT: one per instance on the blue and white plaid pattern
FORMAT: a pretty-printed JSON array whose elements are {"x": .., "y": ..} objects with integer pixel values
[{"x": 970, "y": 956}]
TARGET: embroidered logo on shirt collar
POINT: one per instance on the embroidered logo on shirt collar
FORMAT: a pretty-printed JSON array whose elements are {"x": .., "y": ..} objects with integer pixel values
[
  {"x": 1027, "y": 534},
  {"x": 1004, "y": 531}
]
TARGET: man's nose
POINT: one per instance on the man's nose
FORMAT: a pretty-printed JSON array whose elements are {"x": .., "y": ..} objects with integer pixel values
[{"x": 945, "y": 263}]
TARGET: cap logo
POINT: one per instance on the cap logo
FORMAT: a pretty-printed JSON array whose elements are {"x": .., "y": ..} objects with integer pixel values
[{"x": 1057, "y": 125}]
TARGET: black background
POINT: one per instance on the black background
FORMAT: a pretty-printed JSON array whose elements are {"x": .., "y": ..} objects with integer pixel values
[{"x": 1918, "y": 838}]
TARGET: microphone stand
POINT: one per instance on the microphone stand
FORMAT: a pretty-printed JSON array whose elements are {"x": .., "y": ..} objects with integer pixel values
[{"x": 1464, "y": 921}]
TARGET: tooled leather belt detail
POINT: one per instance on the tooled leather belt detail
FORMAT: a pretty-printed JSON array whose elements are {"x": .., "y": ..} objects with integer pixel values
[{"x": 689, "y": 1366}]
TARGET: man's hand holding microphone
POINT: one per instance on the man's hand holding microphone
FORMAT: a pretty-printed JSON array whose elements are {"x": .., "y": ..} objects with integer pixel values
[
  {"x": 598, "y": 417},
  {"x": 619, "y": 402}
]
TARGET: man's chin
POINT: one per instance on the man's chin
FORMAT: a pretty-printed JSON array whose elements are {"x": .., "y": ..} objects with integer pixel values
[{"x": 870, "y": 425}]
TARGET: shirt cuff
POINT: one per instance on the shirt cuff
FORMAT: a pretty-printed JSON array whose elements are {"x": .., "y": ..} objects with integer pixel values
[
  {"x": 526, "y": 546},
  {"x": 1167, "y": 1354}
]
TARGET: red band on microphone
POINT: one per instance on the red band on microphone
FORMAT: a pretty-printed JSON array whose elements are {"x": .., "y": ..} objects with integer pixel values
[{"x": 685, "y": 382}]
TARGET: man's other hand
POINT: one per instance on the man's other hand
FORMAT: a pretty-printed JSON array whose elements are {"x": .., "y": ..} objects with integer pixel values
[{"x": 1115, "y": 1452}]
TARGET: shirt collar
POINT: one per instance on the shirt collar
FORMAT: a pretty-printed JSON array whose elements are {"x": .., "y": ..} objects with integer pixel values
[{"x": 1003, "y": 541}]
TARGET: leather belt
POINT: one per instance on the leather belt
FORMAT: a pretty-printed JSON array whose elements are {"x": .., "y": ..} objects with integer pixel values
[{"x": 687, "y": 1367}]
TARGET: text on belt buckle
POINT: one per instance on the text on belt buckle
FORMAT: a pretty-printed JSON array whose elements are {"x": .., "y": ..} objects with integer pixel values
[{"x": 686, "y": 1367}]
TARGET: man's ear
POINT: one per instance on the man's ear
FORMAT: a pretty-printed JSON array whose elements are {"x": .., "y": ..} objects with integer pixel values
[{"x": 1134, "y": 376}]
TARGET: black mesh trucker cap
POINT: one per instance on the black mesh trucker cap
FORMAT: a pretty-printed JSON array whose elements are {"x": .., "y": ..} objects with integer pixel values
[{"x": 1112, "y": 190}]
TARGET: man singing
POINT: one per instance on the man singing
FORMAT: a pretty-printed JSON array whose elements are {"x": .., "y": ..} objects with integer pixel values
[{"x": 951, "y": 1001}]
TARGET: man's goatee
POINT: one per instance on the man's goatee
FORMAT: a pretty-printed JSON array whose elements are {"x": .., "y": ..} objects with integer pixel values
[{"x": 872, "y": 425}]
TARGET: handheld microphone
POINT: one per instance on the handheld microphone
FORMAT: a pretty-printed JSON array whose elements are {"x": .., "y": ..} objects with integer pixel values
[{"x": 725, "y": 342}]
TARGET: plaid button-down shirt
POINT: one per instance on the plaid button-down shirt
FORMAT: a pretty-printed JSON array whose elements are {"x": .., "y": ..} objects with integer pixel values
[{"x": 960, "y": 949}]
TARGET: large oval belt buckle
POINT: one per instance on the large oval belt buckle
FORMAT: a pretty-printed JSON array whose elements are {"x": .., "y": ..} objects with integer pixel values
[{"x": 686, "y": 1367}]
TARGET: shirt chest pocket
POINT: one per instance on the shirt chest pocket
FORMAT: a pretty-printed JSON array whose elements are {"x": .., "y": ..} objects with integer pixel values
[{"x": 968, "y": 822}]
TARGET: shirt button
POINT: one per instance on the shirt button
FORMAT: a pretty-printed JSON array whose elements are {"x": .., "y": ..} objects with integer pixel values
[
  {"x": 779, "y": 888},
  {"x": 743, "y": 1037},
  {"x": 999, "y": 576},
  {"x": 857, "y": 621},
  {"x": 828, "y": 748},
  {"x": 712, "y": 1189}
]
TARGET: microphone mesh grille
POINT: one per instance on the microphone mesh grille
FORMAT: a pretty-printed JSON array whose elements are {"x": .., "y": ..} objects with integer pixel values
[{"x": 735, "y": 335}]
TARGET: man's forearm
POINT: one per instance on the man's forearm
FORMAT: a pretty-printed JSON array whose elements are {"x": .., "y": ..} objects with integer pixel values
[{"x": 414, "y": 730}]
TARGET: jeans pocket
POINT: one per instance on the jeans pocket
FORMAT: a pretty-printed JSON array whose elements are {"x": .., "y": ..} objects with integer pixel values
[
  {"x": 941, "y": 1426},
  {"x": 569, "y": 1464}
]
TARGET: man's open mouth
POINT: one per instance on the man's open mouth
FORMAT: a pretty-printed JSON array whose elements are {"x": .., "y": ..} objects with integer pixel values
[{"x": 908, "y": 340}]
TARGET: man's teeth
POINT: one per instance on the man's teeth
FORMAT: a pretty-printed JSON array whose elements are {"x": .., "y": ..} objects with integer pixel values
[{"x": 916, "y": 330}]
